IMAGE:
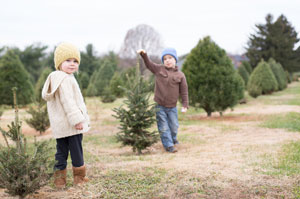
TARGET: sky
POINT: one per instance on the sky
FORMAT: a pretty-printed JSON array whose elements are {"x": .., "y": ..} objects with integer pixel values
[{"x": 104, "y": 23}]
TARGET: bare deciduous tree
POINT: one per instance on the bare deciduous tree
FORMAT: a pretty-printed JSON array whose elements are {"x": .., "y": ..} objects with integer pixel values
[{"x": 140, "y": 37}]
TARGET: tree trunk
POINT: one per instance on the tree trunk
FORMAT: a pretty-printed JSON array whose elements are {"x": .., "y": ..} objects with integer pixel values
[{"x": 208, "y": 113}]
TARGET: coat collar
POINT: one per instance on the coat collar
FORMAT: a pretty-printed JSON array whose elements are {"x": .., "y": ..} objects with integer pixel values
[{"x": 172, "y": 69}]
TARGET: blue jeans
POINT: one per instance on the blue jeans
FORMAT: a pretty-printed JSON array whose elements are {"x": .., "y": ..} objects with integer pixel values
[{"x": 167, "y": 124}]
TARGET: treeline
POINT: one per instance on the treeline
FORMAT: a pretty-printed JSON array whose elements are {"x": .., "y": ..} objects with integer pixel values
[
  {"x": 273, "y": 59},
  {"x": 214, "y": 84},
  {"x": 101, "y": 75},
  {"x": 28, "y": 69}
]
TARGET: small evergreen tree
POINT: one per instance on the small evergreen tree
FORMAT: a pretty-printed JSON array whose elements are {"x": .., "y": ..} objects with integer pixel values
[
  {"x": 89, "y": 61},
  {"x": 115, "y": 84},
  {"x": 23, "y": 169},
  {"x": 211, "y": 77},
  {"x": 40, "y": 83},
  {"x": 247, "y": 66},
  {"x": 39, "y": 118},
  {"x": 32, "y": 57},
  {"x": 13, "y": 74},
  {"x": 137, "y": 117},
  {"x": 288, "y": 77},
  {"x": 232, "y": 92},
  {"x": 262, "y": 80},
  {"x": 83, "y": 80},
  {"x": 243, "y": 73},
  {"x": 100, "y": 79},
  {"x": 278, "y": 73},
  {"x": 107, "y": 96}
]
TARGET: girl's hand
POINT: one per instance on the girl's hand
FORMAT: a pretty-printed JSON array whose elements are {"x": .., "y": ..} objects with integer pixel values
[
  {"x": 79, "y": 126},
  {"x": 141, "y": 51}
]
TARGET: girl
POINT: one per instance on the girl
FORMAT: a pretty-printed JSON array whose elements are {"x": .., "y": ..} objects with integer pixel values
[{"x": 67, "y": 114}]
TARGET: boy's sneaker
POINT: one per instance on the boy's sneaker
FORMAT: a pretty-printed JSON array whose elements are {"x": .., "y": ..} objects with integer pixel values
[
  {"x": 176, "y": 142},
  {"x": 171, "y": 149}
]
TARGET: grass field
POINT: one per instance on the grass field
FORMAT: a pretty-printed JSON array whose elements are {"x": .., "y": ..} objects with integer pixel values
[{"x": 250, "y": 152}]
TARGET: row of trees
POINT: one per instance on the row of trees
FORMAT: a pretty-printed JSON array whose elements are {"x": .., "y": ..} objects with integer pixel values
[
  {"x": 263, "y": 76},
  {"x": 267, "y": 78},
  {"x": 101, "y": 75},
  {"x": 28, "y": 68},
  {"x": 214, "y": 85},
  {"x": 277, "y": 40}
]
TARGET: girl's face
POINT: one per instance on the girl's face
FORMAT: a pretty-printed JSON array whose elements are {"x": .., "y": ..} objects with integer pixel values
[
  {"x": 169, "y": 61},
  {"x": 70, "y": 66}
]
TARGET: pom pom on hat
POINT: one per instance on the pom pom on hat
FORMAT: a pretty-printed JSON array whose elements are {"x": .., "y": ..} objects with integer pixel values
[
  {"x": 65, "y": 51},
  {"x": 169, "y": 51}
]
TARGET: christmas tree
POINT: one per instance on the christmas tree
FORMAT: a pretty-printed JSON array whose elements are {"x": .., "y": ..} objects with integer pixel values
[
  {"x": 138, "y": 115},
  {"x": 23, "y": 169},
  {"x": 39, "y": 117},
  {"x": 13, "y": 74},
  {"x": 213, "y": 82}
]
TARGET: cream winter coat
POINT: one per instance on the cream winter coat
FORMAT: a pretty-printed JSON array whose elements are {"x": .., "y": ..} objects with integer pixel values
[{"x": 65, "y": 105}]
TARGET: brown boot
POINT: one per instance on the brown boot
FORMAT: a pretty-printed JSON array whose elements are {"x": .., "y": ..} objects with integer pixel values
[
  {"x": 79, "y": 174},
  {"x": 60, "y": 178}
]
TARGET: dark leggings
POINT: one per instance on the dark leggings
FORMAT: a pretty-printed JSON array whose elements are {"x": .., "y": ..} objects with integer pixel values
[{"x": 63, "y": 146}]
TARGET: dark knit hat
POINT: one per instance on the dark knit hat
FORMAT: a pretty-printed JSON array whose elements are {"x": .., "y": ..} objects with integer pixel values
[{"x": 169, "y": 51}]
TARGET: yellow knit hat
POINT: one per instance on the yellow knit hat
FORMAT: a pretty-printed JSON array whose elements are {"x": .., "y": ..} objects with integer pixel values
[{"x": 65, "y": 51}]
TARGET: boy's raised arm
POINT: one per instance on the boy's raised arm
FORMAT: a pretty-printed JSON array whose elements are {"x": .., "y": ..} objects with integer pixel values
[{"x": 153, "y": 67}]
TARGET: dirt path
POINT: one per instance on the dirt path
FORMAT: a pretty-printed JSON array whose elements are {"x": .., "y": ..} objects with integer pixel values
[{"x": 227, "y": 153}]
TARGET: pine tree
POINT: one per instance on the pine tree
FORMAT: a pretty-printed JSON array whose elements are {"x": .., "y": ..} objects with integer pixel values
[
  {"x": 262, "y": 80},
  {"x": 115, "y": 84},
  {"x": 137, "y": 117},
  {"x": 32, "y": 58},
  {"x": 278, "y": 73},
  {"x": 275, "y": 40},
  {"x": 107, "y": 96},
  {"x": 23, "y": 169},
  {"x": 83, "y": 80},
  {"x": 89, "y": 62},
  {"x": 39, "y": 118},
  {"x": 288, "y": 77},
  {"x": 211, "y": 78},
  {"x": 13, "y": 74},
  {"x": 100, "y": 79},
  {"x": 243, "y": 73},
  {"x": 247, "y": 66}
]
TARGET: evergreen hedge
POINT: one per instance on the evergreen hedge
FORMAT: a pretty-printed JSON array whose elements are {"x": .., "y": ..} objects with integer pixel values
[{"x": 262, "y": 80}]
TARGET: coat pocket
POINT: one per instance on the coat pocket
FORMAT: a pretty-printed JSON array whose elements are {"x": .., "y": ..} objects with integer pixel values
[{"x": 176, "y": 79}]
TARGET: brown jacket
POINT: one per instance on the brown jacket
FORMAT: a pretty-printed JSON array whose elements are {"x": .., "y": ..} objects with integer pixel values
[{"x": 170, "y": 83}]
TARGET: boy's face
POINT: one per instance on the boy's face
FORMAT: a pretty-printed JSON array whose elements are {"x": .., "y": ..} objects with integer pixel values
[
  {"x": 169, "y": 61},
  {"x": 70, "y": 66}
]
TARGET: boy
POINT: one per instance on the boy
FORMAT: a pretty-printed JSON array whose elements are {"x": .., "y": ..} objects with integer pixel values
[{"x": 170, "y": 83}]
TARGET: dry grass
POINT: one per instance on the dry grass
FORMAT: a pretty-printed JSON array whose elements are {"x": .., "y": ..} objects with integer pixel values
[{"x": 218, "y": 157}]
